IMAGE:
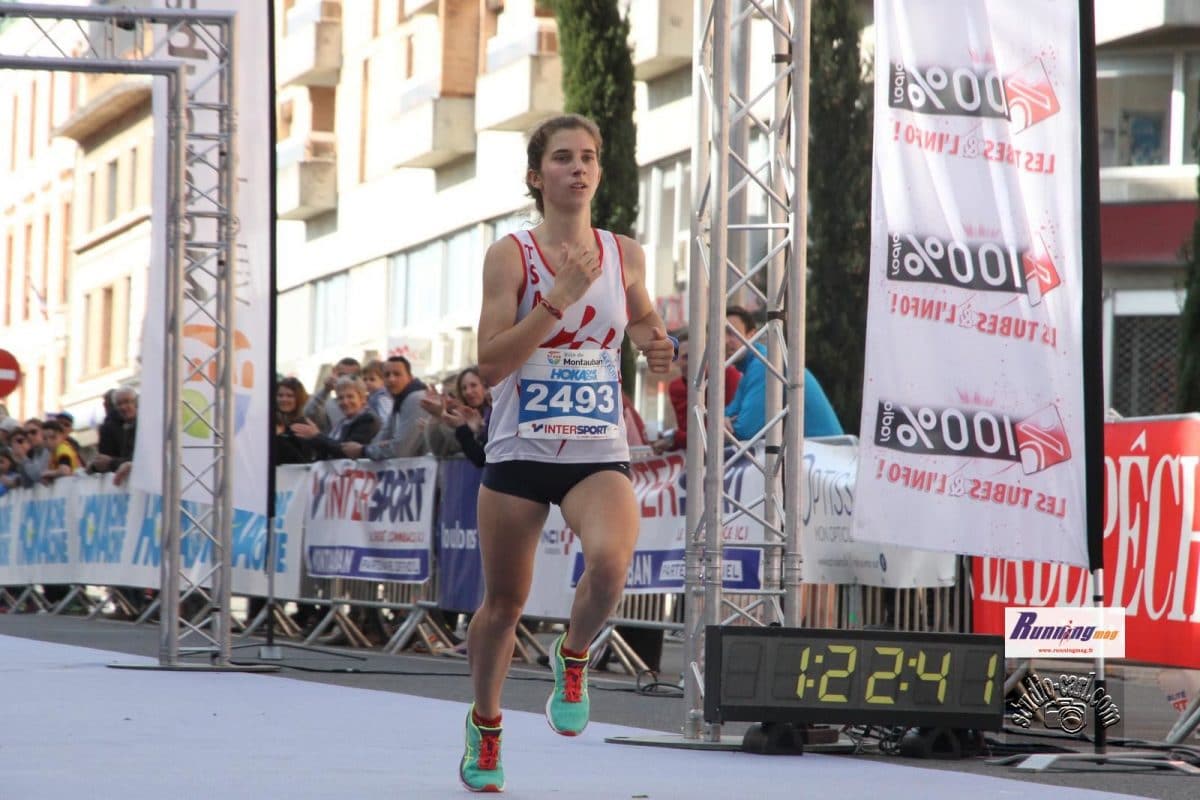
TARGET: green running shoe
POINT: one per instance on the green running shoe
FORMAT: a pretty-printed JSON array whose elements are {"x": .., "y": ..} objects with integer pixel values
[
  {"x": 481, "y": 770},
  {"x": 568, "y": 706}
]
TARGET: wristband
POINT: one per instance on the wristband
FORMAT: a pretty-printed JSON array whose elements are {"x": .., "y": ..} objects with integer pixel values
[
  {"x": 674, "y": 343},
  {"x": 544, "y": 303}
]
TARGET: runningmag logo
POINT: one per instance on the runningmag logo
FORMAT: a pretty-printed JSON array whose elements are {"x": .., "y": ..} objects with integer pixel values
[{"x": 1076, "y": 632}]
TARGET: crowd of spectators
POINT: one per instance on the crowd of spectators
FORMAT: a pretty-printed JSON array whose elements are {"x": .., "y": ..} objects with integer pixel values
[
  {"x": 381, "y": 411},
  {"x": 40, "y": 451}
]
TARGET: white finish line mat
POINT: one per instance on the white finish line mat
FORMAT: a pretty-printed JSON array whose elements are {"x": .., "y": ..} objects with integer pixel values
[{"x": 72, "y": 728}]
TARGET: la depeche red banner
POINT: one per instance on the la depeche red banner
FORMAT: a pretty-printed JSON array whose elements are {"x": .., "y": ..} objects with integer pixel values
[{"x": 1151, "y": 547}]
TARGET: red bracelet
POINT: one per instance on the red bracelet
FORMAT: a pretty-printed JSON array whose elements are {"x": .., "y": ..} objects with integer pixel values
[{"x": 544, "y": 303}]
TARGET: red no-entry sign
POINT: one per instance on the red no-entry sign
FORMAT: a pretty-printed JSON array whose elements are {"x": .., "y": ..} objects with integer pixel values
[{"x": 10, "y": 373}]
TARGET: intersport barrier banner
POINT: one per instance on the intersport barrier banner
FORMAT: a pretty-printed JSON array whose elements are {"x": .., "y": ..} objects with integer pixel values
[
  {"x": 973, "y": 400},
  {"x": 370, "y": 520},
  {"x": 1151, "y": 547},
  {"x": 830, "y": 553},
  {"x": 85, "y": 530}
]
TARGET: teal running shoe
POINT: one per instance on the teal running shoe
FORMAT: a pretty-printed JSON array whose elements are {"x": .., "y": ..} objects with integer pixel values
[
  {"x": 481, "y": 770},
  {"x": 568, "y": 707}
]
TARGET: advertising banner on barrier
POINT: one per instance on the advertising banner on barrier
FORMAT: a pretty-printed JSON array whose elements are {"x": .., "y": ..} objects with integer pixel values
[
  {"x": 372, "y": 521},
  {"x": 460, "y": 569},
  {"x": 1151, "y": 547},
  {"x": 659, "y": 486},
  {"x": 251, "y": 114},
  {"x": 830, "y": 551},
  {"x": 85, "y": 530},
  {"x": 973, "y": 401}
]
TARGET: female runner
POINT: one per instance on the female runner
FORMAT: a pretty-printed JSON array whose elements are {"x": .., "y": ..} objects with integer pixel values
[{"x": 557, "y": 301}]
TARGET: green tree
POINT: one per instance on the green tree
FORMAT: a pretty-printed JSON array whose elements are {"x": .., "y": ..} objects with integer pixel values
[
  {"x": 1189, "y": 320},
  {"x": 597, "y": 80},
  {"x": 839, "y": 193}
]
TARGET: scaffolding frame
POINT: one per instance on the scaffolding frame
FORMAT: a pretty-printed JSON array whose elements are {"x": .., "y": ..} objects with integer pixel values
[
  {"x": 728, "y": 107},
  {"x": 200, "y": 259}
]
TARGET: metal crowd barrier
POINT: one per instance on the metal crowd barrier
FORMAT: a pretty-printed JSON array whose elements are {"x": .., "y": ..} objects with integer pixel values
[{"x": 393, "y": 617}]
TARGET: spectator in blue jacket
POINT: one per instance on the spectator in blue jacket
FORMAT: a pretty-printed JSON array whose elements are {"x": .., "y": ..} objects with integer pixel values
[{"x": 746, "y": 413}]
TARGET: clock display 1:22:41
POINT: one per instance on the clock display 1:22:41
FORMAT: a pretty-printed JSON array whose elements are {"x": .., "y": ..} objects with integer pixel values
[{"x": 828, "y": 674}]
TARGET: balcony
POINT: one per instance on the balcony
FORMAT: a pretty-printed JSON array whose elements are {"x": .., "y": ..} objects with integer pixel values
[
  {"x": 1146, "y": 22},
  {"x": 310, "y": 53},
  {"x": 412, "y": 7},
  {"x": 523, "y": 82},
  {"x": 111, "y": 97},
  {"x": 663, "y": 36},
  {"x": 306, "y": 177},
  {"x": 429, "y": 131}
]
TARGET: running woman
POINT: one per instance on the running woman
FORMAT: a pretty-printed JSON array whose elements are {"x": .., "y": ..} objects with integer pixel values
[{"x": 558, "y": 300}]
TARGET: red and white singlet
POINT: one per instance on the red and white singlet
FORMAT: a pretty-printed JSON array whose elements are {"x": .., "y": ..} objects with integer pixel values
[{"x": 595, "y": 321}]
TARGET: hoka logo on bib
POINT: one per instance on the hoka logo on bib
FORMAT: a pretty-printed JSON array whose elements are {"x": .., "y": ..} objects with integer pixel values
[{"x": 563, "y": 374}]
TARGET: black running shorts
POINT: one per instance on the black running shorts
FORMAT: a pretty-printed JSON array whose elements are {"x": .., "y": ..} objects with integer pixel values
[{"x": 543, "y": 482}]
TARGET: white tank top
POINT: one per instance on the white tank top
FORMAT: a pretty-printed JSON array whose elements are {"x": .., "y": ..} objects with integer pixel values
[{"x": 597, "y": 320}]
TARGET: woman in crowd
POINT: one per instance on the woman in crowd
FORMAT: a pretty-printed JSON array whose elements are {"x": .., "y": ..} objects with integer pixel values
[
  {"x": 462, "y": 420},
  {"x": 18, "y": 450},
  {"x": 358, "y": 425},
  {"x": 290, "y": 397},
  {"x": 10, "y": 477}
]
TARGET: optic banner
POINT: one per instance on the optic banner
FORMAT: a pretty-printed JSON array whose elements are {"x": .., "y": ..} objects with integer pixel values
[
  {"x": 252, "y": 108},
  {"x": 1151, "y": 547},
  {"x": 372, "y": 521},
  {"x": 86, "y": 530},
  {"x": 831, "y": 552},
  {"x": 973, "y": 394}
]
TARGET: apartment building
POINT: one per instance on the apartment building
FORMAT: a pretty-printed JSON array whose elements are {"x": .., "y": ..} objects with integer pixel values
[
  {"x": 37, "y": 223},
  {"x": 113, "y": 133},
  {"x": 1148, "y": 62},
  {"x": 400, "y": 157}
]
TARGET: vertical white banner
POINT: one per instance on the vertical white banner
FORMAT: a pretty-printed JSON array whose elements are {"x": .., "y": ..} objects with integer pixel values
[
  {"x": 972, "y": 426},
  {"x": 252, "y": 107}
]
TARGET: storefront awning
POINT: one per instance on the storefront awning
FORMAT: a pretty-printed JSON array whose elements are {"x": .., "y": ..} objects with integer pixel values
[{"x": 1145, "y": 233}]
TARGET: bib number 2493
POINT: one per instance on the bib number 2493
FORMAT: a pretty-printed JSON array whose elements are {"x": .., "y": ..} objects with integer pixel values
[{"x": 569, "y": 394}]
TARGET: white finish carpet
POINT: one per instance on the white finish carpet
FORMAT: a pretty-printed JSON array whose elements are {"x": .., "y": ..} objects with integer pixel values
[{"x": 71, "y": 728}]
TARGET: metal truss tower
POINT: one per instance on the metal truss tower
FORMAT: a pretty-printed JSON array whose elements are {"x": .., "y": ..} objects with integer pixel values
[
  {"x": 194, "y": 50},
  {"x": 749, "y": 234}
]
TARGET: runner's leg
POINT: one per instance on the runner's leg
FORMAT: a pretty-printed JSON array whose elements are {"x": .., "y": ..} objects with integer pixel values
[
  {"x": 509, "y": 529},
  {"x": 602, "y": 511}
]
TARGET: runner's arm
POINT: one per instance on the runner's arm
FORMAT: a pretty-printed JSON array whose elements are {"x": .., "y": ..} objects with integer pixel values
[{"x": 504, "y": 343}]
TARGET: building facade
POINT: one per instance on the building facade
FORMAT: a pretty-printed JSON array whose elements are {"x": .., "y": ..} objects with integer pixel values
[
  {"x": 401, "y": 156},
  {"x": 38, "y": 213}
]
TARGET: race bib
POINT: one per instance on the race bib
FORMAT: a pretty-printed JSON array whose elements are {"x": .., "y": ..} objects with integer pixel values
[{"x": 570, "y": 394}]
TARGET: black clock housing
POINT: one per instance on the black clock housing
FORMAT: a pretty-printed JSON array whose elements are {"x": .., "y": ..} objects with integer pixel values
[{"x": 818, "y": 675}]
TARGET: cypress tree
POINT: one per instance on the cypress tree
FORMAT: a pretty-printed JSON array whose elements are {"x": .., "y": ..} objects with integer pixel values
[
  {"x": 597, "y": 80},
  {"x": 839, "y": 192}
]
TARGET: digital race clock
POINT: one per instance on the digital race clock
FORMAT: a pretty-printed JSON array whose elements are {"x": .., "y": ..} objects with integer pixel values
[{"x": 815, "y": 675}]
